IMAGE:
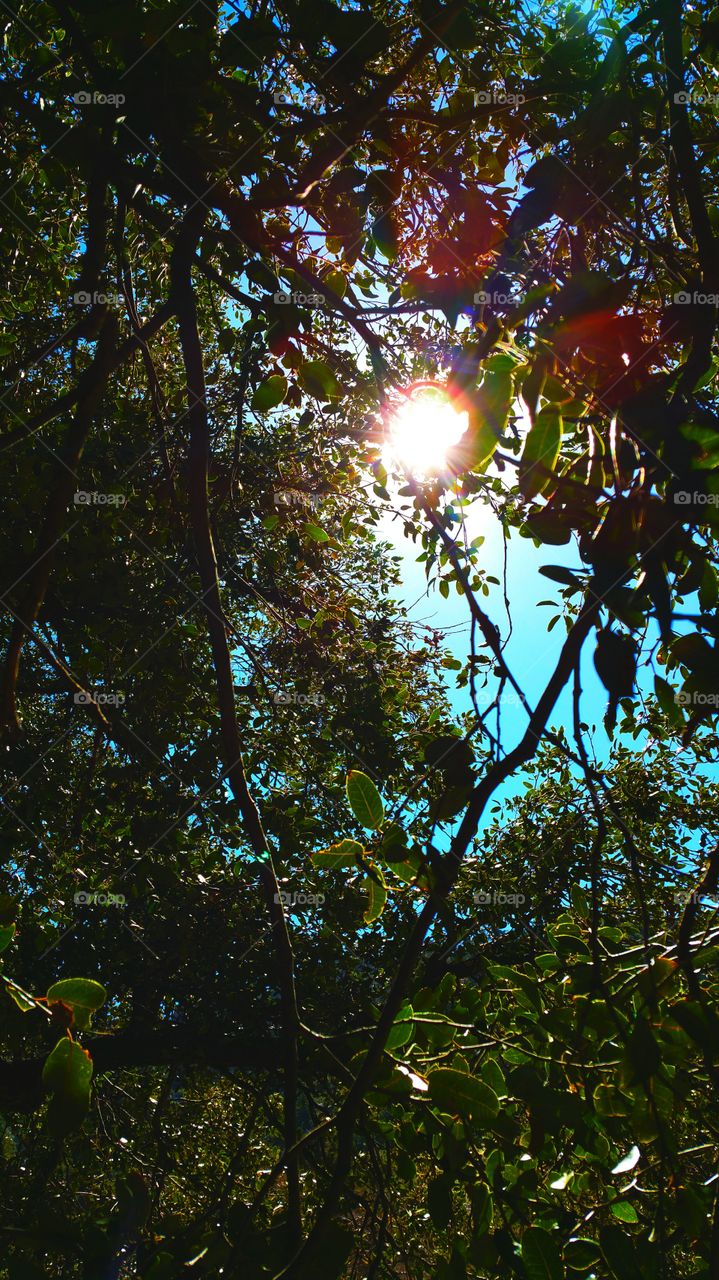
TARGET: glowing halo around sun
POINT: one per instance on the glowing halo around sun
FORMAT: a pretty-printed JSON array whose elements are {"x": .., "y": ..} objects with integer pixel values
[{"x": 422, "y": 430}]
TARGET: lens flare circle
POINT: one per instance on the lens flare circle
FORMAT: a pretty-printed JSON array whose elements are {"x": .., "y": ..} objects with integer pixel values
[{"x": 423, "y": 429}]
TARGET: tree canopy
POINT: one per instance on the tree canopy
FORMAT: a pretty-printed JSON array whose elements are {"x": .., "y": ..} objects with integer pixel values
[{"x": 313, "y": 965}]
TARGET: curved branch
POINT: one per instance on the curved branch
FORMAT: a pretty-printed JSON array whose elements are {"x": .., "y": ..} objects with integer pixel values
[{"x": 183, "y": 300}]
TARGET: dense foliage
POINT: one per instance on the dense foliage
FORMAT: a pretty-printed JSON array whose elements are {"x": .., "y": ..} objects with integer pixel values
[{"x": 294, "y": 985}]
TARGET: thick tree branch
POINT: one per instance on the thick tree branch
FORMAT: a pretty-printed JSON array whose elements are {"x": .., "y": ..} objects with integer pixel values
[
  {"x": 21, "y": 1084},
  {"x": 198, "y": 472}
]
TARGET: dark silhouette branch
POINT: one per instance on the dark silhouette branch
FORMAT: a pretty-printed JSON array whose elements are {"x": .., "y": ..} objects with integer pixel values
[
  {"x": 21, "y": 1083},
  {"x": 198, "y": 473},
  {"x": 448, "y": 872}
]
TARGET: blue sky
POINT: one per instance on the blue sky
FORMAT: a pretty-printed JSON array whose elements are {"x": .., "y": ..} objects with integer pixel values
[{"x": 532, "y": 651}]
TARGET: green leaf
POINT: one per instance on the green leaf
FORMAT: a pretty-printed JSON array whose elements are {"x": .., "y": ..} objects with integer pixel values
[
  {"x": 314, "y": 532},
  {"x": 439, "y": 1201},
  {"x": 610, "y": 1101},
  {"x": 581, "y": 1254},
  {"x": 482, "y": 1207},
  {"x": 495, "y": 396},
  {"x": 480, "y": 440},
  {"x": 540, "y": 453},
  {"x": 365, "y": 800},
  {"x": 376, "y": 899},
  {"x": 457, "y": 1093},
  {"x": 493, "y": 1076},
  {"x": 402, "y": 1030},
  {"x": 667, "y": 699},
  {"x": 7, "y": 933},
  {"x": 21, "y": 998},
  {"x": 343, "y": 854},
  {"x": 337, "y": 281},
  {"x": 642, "y": 1051},
  {"x": 625, "y": 1211},
  {"x": 558, "y": 573},
  {"x": 619, "y": 1253},
  {"x": 318, "y": 380},
  {"x": 384, "y": 232},
  {"x": 655, "y": 980},
  {"x": 394, "y": 844},
  {"x": 67, "y": 1075},
  {"x": 462, "y": 33},
  {"x": 408, "y": 870},
  {"x": 83, "y": 995},
  {"x": 702, "y": 1024},
  {"x": 580, "y": 902},
  {"x": 270, "y": 393},
  {"x": 540, "y": 1255}
]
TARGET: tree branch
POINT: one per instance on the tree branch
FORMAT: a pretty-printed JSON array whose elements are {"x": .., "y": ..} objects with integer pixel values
[{"x": 198, "y": 471}]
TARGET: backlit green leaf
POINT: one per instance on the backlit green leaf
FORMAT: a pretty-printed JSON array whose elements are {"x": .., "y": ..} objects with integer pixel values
[
  {"x": 343, "y": 854},
  {"x": 365, "y": 800},
  {"x": 270, "y": 393},
  {"x": 540, "y": 1255},
  {"x": 376, "y": 899},
  {"x": 84, "y": 996},
  {"x": 540, "y": 453},
  {"x": 460, "y": 1094}
]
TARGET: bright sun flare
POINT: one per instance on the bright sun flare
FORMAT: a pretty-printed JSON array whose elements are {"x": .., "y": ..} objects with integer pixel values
[{"x": 423, "y": 430}]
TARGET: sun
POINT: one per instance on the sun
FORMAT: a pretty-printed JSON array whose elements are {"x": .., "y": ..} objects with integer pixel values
[{"x": 423, "y": 429}]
